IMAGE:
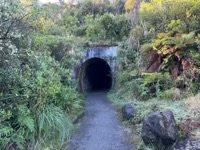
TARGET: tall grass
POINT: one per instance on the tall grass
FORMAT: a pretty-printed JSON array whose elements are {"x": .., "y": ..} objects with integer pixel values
[{"x": 52, "y": 124}]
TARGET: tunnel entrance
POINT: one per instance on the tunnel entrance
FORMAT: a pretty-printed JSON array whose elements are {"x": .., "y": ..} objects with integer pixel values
[{"x": 95, "y": 75}]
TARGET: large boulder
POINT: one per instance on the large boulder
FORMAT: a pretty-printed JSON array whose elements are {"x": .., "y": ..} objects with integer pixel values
[
  {"x": 128, "y": 111},
  {"x": 188, "y": 144},
  {"x": 159, "y": 128}
]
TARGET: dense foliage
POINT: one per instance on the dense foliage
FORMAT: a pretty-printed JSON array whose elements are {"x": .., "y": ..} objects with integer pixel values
[
  {"x": 165, "y": 39},
  {"x": 159, "y": 44},
  {"x": 38, "y": 100},
  {"x": 159, "y": 64},
  {"x": 39, "y": 45}
]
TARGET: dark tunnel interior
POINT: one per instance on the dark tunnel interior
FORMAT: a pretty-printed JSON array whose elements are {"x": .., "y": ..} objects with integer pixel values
[{"x": 98, "y": 74}]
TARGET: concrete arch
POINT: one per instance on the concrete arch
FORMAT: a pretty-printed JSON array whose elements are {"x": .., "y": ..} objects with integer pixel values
[{"x": 95, "y": 74}]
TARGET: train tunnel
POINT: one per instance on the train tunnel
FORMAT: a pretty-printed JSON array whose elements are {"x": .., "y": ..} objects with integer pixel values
[{"x": 95, "y": 75}]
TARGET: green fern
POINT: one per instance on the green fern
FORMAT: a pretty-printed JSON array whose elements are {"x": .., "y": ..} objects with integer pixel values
[
  {"x": 4, "y": 142},
  {"x": 27, "y": 121},
  {"x": 5, "y": 115},
  {"x": 24, "y": 118},
  {"x": 154, "y": 77},
  {"x": 5, "y": 131},
  {"x": 19, "y": 140}
]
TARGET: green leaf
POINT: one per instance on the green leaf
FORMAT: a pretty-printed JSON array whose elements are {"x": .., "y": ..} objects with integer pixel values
[{"x": 5, "y": 130}]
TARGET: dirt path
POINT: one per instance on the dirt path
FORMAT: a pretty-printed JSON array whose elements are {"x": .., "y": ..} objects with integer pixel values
[{"x": 100, "y": 128}]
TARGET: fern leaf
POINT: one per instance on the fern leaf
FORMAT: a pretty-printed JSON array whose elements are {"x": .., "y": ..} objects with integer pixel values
[
  {"x": 24, "y": 117},
  {"x": 28, "y": 122},
  {"x": 5, "y": 130}
]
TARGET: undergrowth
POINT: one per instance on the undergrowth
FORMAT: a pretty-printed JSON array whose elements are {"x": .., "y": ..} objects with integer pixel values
[{"x": 183, "y": 109}]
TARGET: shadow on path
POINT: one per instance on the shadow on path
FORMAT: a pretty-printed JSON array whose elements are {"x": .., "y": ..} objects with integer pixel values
[{"x": 100, "y": 129}]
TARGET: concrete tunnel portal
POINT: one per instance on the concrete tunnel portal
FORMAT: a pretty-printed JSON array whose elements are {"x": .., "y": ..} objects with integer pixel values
[{"x": 95, "y": 75}]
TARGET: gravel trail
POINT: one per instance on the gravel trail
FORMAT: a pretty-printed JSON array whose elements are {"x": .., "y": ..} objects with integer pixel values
[{"x": 100, "y": 129}]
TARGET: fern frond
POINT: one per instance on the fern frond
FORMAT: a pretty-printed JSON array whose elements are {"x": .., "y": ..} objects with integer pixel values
[
  {"x": 19, "y": 140},
  {"x": 24, "y": 118},
  {"x": 28, "y": 122},
  {"x": 5, "y": 131}
]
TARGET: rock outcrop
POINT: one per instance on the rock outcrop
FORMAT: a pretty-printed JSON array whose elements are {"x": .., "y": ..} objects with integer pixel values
[
  {"x": 159, "y": 128},
  {"x": 128, "y": 111}
]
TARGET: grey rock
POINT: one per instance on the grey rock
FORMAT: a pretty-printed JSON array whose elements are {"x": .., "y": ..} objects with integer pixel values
[
  {"x": 188, "y": 144},
  {"x": 128, "y": 111},
  {"x": 152, "y": 89},
  {"x": 159, "y": 128}
]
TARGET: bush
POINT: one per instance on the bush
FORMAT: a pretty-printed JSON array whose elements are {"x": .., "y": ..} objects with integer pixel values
[{"x": 158, "y": 14}]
